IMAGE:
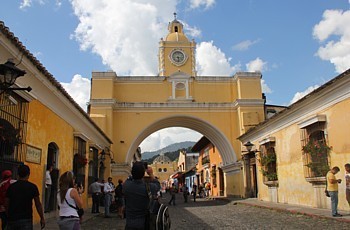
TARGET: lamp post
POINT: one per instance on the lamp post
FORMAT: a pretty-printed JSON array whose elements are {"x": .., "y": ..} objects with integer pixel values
[
  {"x": 249, "y": 167},
  {"x": 8, "y": 75}
]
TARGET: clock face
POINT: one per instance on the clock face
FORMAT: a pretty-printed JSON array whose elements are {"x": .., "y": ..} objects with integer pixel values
[{"x": 178, "y": 56}]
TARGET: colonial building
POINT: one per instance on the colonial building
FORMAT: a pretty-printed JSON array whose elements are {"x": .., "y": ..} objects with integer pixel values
[
  {"x": 209, "y": 166},
  {"x": 163, "y": 168},
  {"x": 295, "y": 148},
  {"x": 186, "y": 167},
  {"x": 45, "y": 126}
]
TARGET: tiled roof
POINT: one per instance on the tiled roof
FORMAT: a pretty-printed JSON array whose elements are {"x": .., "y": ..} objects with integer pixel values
[{"x": 15, "y": 41}]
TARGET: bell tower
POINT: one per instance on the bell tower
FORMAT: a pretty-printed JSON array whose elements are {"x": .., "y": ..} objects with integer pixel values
[{"x": 176, "y": 52}]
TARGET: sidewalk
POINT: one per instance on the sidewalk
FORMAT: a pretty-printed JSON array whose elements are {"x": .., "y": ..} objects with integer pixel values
[{"x": 296, "y": 209}]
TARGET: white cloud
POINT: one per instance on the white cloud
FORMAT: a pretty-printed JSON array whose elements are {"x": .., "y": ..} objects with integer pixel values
[
  {"x": 211, "y": 61},
  {"x": 244, "y": 45},
  {"x": 124, "y": 33},
  {"x": 334, "y": 30},
  {"x": 25, "y": 4},
  {"x": 191, "y": 31},
  {"x": 265, "y": 87},
  {"x": 79, "y": 89},
  {"x": 300, "y": 95},
  {"x": 198, "y": 3},
  {"x": 167, "y": 136},
  {"x": 256, "y": 65}
]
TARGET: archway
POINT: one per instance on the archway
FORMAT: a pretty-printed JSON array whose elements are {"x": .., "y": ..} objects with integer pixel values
[{"x": 211, "y": 132}]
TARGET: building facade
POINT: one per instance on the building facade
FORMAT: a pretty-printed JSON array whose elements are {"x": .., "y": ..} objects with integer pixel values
[
  {"x": 45, "y": 126},
  {"x": 130, "y": 108},
  {"x": 296, "y": 148},
  {"x": 209, "y": 167}
]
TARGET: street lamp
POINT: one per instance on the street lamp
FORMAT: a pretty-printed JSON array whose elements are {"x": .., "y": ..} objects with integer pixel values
[
  {"x": 8, "y": 75},
  {"x": 249, "y": 145}
]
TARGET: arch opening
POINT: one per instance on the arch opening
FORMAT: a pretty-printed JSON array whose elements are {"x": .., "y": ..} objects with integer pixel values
[{"x": 208, "y": 130}]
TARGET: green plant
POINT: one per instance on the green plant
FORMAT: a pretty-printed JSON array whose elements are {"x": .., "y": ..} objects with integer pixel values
[
  {"x": 271, "y": 176},
  {"x": 318, "y": 152},
  {"x": 268, "y": 164}
]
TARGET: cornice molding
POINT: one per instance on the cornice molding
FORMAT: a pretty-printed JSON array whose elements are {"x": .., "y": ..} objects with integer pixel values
[{"x": 306, "y": 108}]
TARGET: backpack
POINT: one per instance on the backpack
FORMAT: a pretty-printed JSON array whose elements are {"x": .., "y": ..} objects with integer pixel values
[
  {"x": 3, "y": 189},
  {"x": 158, "y": 214}
]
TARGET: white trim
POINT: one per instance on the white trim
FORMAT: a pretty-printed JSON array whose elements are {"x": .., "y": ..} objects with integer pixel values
[
  {"x": 81, "y": 135},
  {"x": 312, "y": 120},
  {"x": 267, "y": 140}
]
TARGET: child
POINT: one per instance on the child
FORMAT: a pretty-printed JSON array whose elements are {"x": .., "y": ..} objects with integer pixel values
[{"x": 347, "y": 181}]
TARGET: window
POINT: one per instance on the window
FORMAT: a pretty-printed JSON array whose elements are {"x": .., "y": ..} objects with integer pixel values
[
  {"x": 315, "y": 150},
  {"x": 159, "y": 170},
  {"x": 205, "y": 158},
  {"x": 165, "y": 169},
  {"x": 80, "y": 160},
  {"x": 268, "y": 161},
  {"x": 13, "y": 127}
]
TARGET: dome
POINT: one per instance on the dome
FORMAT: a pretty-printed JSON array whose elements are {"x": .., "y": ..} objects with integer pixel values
[
  {"x": 161, "y": 159},
  {"x": 176, "y": 37}
]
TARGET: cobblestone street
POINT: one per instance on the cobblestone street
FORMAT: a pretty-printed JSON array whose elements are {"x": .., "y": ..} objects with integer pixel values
[{"x": 224, "y": 214}]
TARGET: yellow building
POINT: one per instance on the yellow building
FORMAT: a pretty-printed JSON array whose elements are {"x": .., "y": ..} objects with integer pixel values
[
  {"x": 209, "y": 166},
  {"x": 298, "y": 146},
  {"x": 130, "y": 108},
  {"x": 163, "y": 167},
  {"x": 45, "y": 126}
]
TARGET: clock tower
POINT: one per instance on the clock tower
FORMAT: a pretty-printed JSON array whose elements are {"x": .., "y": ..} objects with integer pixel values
[{"x": 176, "y": 52}]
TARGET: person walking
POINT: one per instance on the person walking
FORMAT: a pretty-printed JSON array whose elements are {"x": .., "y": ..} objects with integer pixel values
[
  {"x": 347, "y": 182},
  {"x": 119, "y": 196},
  {"x": 332, "y": 188},
  {"x": 136, "y": 196},
  {"x": 68, "y": 199},
  {"x": 108, "y": 190},
  {"x": 48, "y": 186},
  {"x": 185, "y": 192},
  {"x": 6, "y": 181},
  {"x": 172, "y": 192},
  {"x": 95, "y": 191},
  {"x": 19, "y": 198},
  {"x": 194, "y": 192}
]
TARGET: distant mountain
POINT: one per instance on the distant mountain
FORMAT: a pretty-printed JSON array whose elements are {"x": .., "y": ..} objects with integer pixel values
[{"x": 169, "y": 148}]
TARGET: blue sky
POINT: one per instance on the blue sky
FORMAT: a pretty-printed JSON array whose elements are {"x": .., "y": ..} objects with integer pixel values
[{"x": 297, "y": 44}]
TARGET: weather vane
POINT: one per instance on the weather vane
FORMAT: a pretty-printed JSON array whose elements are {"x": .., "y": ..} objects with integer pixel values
[{"x": 175, "y": 15}]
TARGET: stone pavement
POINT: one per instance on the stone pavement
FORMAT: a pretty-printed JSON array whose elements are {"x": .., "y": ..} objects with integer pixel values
[{"x": 185, "y": 215}]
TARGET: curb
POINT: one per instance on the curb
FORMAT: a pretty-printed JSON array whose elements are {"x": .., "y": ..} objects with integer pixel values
[{"x": 293, "y": 212}]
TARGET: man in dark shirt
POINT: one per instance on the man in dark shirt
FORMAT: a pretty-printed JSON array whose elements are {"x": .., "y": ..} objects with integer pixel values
[
  {"x": 18, "y": 204},
  {"x": 136, "y": 196}
]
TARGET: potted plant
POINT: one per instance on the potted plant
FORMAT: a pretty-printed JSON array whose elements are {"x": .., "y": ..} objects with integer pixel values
[
  {"x": 268, "y": 164},
  {"x": 318, "y": 153}
]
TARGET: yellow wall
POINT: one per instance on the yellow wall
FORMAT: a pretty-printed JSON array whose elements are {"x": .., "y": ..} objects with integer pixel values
[
  {"x": 293, "y": 187},
  {"x": 45, "y": 127}
]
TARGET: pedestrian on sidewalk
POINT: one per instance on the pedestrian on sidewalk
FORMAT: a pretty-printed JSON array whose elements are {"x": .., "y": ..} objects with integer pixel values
[
  {"x": 69, "y": 197},
  {"x": 347, "y": 181},
  {"x": 108, "y": 190},
  {"x": 95, "y": 191},
  {"x": 119, "y": 197},
  {"x": 19, "y": 202},
  {"x": 332, "y": 188},
  {"x": 172, "y": 192}
]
